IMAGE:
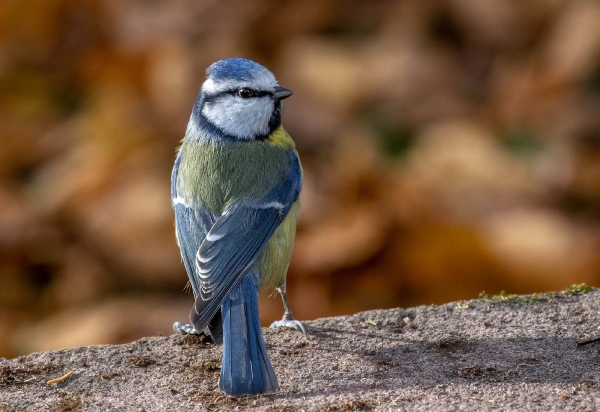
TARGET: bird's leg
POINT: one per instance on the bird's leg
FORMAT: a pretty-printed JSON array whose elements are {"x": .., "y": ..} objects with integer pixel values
[
  {"x": 288, "y": 320},
  {"x": 187, "y": 329}
]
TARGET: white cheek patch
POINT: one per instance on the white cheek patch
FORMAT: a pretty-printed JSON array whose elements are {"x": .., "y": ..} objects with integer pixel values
[{"x": 242, "y": 118}]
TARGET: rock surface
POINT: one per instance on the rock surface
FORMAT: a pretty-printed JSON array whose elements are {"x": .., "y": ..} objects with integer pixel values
[{"x": 499, "y": 353}]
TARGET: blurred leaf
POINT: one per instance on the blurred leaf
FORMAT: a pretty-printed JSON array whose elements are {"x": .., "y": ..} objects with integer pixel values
[
  {"x": 592, "y": 83},
  {"x": 581, "y": 204},
  {"x": 394, "y": 137},
  {"x": 444, "y": 28},
  {"x": 522, "y": 142}
]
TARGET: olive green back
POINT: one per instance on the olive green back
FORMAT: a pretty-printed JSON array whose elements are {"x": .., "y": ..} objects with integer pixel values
[{"x": 218, "y": 174}]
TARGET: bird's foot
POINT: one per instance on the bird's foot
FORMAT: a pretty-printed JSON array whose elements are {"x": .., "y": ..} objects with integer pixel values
[
  {"x": 187, "y": 329},
  {"x": 289, "y": 323}
]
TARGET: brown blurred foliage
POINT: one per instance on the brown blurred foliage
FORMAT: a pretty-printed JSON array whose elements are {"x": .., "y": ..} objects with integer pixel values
[{"x": 449, "y": 147}]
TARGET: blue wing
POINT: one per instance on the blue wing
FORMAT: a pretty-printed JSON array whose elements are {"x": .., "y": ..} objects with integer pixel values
[
  {"x": 236, "y": 239},
  {"x": 191, "y": 226}
]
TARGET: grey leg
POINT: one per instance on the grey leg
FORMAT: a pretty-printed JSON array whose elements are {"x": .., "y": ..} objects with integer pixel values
[{"x": 288, "y": 320}]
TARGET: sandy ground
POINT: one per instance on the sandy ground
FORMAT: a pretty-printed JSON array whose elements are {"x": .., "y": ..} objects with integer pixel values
[{"x": 507, "y": 353}]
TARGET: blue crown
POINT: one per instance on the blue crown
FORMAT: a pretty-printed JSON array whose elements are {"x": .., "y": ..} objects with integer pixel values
[{"x": 234, "y": 68}]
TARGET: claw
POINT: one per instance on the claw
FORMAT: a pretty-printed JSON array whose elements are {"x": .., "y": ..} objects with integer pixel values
[
  {"x": 289, "y": 323},
  {"x": 187, "y": 329},
  {"x": 288, "y": 320}
]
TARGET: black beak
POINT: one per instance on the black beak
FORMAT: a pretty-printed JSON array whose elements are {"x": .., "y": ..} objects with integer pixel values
[{"x": 281, "y": 93}]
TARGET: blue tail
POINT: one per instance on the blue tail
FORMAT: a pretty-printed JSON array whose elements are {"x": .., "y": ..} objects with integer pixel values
[{"x": 246, "y": 367}]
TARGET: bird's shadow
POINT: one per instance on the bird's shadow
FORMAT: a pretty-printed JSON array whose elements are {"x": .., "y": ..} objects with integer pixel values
[{"x": 348, "y": 361}]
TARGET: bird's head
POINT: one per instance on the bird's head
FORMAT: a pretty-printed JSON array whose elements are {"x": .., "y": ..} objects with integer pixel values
[{"x": 239, "y": 100}]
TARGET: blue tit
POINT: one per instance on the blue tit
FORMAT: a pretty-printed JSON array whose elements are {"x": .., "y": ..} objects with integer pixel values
[{"x": 235, "y": 188}]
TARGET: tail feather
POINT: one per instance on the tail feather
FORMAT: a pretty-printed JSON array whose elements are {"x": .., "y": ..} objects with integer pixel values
[{"x": 246, "y": 367}]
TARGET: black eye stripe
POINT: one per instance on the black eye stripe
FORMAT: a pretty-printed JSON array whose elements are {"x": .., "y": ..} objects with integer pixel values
[
  {"x": 255, "y": 93},
  {"x": 210, "y": 98},
  {"x": 262, "y": 93}
]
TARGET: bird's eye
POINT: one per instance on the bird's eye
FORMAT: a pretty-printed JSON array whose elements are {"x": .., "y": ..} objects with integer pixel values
[{"x": 246, "y": 93}]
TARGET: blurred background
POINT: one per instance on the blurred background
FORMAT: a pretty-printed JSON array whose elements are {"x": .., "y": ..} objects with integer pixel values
[{"x": 450, "y": 147}]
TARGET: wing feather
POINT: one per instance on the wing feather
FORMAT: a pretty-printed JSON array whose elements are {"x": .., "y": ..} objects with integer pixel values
[
  {"x": 235, "y": 241},
  {"x": 192, "y": 223}
]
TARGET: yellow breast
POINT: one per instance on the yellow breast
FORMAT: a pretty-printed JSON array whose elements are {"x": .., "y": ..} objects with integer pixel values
[{"x": 274, "y": 260}]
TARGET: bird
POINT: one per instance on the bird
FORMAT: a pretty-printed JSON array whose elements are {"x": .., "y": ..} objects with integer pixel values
[{"x": 235, "y": 190}]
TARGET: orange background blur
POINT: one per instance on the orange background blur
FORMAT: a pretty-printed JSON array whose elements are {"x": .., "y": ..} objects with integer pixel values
[{"x": 449, "y": 147}]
